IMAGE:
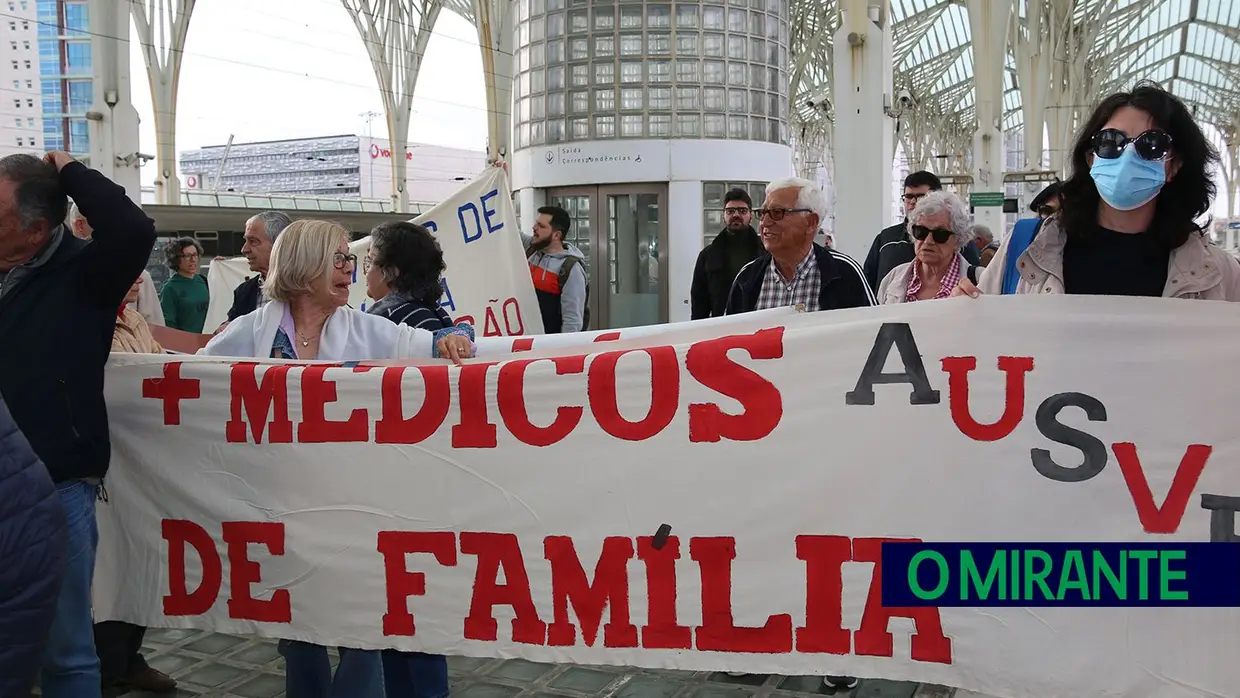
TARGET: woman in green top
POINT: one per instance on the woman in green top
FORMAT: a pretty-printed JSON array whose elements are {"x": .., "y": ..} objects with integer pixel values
[{"x": 185, "y": 296}]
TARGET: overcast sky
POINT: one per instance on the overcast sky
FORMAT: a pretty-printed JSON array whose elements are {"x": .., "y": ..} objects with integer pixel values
[{"x": 275, "y": 69}]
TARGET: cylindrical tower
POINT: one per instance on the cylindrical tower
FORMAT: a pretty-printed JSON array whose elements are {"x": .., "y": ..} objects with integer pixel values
[{"x": 635, "y": 117}]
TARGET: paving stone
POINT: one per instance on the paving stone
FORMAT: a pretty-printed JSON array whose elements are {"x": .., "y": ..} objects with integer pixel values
[
  {"x": 742, "y": 680},
  {"x": 261, "y": 686},
  {"x": 169, "y": 636},
  {"x": 649, "y": 687},
  {"x": 521, "y": 670},
  {"x": 716, "y": 691},
  {"x": 466, "y": 665},
  {"x": 214, "y": 644},
  {"x": 258, "y": 653},
  {"x": 879, "y": 688},
  {"x": 213, "y": 675},
  {"x": 583, "y": 679},
  {"x": 173, "y": 663},
  {"x": 486, "y": 690}
]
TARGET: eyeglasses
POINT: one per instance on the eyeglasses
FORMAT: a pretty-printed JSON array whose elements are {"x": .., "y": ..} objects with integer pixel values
[
  {"x": 1046, "y": 211},
  {"x": 189, "y": 255},
  {"x": 921, "y": 232},
  {"x": 1154, "y": 144},
  {"x": 736, "y": 210},
  {"x": 343, "y": 260},
  {"x": 777, "y": 214},
  {"x": 913, "y": 197},
  {"x": 367, "y": 263}
]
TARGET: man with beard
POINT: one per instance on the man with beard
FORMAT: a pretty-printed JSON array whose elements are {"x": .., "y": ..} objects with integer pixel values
[
  {"x": 718, "y": 264},
  {"x": 559, "y": 278}
]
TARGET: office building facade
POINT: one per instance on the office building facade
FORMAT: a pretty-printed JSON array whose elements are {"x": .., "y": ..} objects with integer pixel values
[
  {"x": 45, "y": 76},
  {"x": 21, "y": 123},
  {"x": 346, "y": 166}
]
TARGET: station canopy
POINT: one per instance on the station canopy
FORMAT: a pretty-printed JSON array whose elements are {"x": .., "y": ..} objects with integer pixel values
[{"x": 1190, "y": 47}]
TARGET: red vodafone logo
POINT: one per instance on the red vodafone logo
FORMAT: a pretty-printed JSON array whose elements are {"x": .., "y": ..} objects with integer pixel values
[
  {"x": 191, "y": 182},
  {"x": 376, "y": 152}
]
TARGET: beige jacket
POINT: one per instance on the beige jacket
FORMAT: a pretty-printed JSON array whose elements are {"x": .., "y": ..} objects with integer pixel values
[
  {"x": 894, "y": 287},
  {"x": 1197, "y": 269},
  {"x": 133, "y": 334}
]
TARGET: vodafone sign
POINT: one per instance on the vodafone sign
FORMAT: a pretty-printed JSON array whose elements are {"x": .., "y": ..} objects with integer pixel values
[{"x": 386, "y": 153}]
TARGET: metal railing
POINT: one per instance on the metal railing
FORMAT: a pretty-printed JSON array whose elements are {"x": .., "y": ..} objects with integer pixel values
[{"x": 284, "y": 202}]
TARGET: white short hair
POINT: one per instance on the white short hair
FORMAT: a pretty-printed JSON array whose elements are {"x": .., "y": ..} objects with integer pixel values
[
  {"x": 982, "y": 232},
  {"x": 303, "y": 258},
  {"x": 808, "y": 195},
  {"x": 957, "y": 214}
]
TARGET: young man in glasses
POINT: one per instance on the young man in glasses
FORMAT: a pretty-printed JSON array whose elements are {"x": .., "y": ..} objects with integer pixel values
[
  {"x": 893, "y": 247},
  {"x": 717, "y": 265}
]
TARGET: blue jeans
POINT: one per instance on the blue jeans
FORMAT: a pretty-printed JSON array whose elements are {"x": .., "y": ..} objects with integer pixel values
[
  {"x": 308, "y": 672},
  {"x": 70, "y": 666},
  {"x": 415, "y": 674}
]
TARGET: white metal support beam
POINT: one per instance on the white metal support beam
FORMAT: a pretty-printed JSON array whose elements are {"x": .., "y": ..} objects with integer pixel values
[
  {"x": 988, "y": 21},
  {"x": 112, "y": 119},
  {"x": 494, "y": 21},
  {"x": 396, "y": 33},
  {"x": 862, "y": 78},
  {"x": 162, "y": 27}
]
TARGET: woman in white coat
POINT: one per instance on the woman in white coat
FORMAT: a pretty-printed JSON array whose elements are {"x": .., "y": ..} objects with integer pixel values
[
  {"x": 939, "y": 226},
  {"x": 308, "y": 319}
]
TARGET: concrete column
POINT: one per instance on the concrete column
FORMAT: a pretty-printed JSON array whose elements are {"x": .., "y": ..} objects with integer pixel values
[
  {"x": 1032, "y": 46},
  {"x": 494, "y": 21},
  {"x": 988, "y": 21},
  {"x": 862, "y": 86},
  {"x": 162, "y": 26},
  {"x": 112, "y": 119},
  {"x": 396, "y": 35}
]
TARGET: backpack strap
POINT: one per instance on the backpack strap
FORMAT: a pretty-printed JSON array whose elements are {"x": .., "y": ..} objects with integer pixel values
[{"x": 971, "y": 274}]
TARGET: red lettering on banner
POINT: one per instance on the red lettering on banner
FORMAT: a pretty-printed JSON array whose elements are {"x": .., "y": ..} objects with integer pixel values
[
  {"x": 664, "y": 393},
  {"x": 719, "y": 632},
  {"x": 762, "y": 405},
  {"x": 824, "y": 558},
  {"x": 401, "y": 583},
  {"x": 495, "y": 551},
  {"x": 315, "y": 427},
  {"x": 172, "y": 389},
  {"x": 522, "y": 344},
  {"x": 608, "y": 337},
  {"x": 179, "y": 601},
  {"x": 1014, "y": 368},
  {"x": 929, "y": 644},
  {"x": 242, "y": 571},
  {"x": 392, "y": 427},
  {"x": 1165, "y": 518},
  {"x": 662, "y": 630},
  {"x": 569, "y": 585},
  {"x": 258, "y": 402},
  {"x": 510, "y": 396},
  {"x": 475, "y": 429}
]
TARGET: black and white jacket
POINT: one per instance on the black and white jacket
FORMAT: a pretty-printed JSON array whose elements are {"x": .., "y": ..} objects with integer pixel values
[{"x": 843, "y": 283}]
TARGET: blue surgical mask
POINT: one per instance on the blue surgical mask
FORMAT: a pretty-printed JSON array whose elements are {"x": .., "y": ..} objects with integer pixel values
[{"x": 1128, "y": 181}]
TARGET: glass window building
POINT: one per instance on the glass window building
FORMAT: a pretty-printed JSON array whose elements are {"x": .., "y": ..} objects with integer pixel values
[{"x": 65, "y": 70}]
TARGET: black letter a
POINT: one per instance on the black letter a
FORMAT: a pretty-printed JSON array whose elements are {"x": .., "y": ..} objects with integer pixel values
[{"x": 898, "y": 334}]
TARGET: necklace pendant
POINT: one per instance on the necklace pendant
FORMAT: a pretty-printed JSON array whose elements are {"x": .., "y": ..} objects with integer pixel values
[{"x": 305, "y": 342}]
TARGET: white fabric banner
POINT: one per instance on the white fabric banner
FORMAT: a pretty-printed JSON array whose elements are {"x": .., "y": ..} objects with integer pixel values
[
  {"x": 516, "y": 507},
  {"x": 488, "y": 279}
]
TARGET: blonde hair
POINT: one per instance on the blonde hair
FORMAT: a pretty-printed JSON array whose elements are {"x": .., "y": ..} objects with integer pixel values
[{"x": 302, "y": 259}]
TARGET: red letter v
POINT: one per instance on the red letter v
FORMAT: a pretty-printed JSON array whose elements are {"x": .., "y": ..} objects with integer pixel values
[{"x": 1165, "y": 518}]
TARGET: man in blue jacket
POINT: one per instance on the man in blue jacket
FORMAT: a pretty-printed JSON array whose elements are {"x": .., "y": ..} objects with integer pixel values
[
  {"x": 32, "y": 558},
  {"x": 1045, "y": 204},
  {"x": 58, "y": 301}
]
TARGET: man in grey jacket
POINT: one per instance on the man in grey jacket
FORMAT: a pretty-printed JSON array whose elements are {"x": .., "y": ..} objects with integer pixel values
[{"x": 559, "y": 274}]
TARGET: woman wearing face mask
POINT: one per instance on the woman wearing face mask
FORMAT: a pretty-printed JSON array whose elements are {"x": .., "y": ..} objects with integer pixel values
[{"x": 1141, "y": 175}]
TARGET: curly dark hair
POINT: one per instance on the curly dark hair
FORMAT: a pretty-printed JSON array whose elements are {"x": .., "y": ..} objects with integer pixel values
[
  {"x": 1183, "y": 198},
  {"x": 410, "y": 259},
  {"x": 172, "y": 251}
]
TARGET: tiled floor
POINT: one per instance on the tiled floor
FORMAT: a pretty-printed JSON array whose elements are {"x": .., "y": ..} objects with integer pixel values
[{"x": 224, "y": 666}]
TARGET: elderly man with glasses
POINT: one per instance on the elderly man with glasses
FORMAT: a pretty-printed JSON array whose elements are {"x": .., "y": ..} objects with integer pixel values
[{"x": 794, "y": 270}]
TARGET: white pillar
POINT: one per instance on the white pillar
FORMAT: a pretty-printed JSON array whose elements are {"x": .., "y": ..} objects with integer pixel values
[
  {"x": 862, "y": 80},
  {"x": 493, "y": 20},
  {"x": 162, "y": 26},
  {"x": 396, "y": 35},
  {"x": 112, "y": 119},
  {"x": 988, "y": 21}
]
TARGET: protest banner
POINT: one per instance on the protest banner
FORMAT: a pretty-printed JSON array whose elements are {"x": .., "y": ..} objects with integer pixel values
[
  {"x": 705, "y": 504},
  {"x": 487, "y": 283}
]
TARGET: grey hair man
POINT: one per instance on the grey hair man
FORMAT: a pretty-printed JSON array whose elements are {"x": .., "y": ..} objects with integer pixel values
[
  {"x": 147, "y": 304},
  {"x": 984, "y": 243},
  {"x": 794, "y": 270},
  {"x": 57, "y": 295},
  {"x": 261, "y": 232},
  {"x": 940, "y": 228}
]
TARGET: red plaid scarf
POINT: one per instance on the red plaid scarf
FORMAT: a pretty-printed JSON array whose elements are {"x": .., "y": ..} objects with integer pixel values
[{"x": 950, "y": 279}]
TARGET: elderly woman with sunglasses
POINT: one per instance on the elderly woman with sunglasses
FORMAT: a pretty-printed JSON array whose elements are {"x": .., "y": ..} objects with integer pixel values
[
  {"x": 939, "y": 226},
  {"x": 1141, "y": 176},
  {"x": 308, "y": 283}
]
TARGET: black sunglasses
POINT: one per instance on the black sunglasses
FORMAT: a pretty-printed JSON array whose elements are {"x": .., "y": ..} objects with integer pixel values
[
  {"x": 1154, "y": 144},
  {"x": 921, "y": 232}
]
